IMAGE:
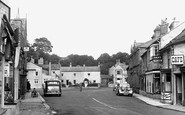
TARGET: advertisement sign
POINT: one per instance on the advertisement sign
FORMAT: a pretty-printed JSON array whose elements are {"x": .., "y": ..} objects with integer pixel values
[
  {"x": 166, "y": 96},
  {"x": 177, "y": 60}
]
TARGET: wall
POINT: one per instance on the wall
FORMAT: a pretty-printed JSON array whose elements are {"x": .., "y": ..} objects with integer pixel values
[{"x": 80, "y": 76}]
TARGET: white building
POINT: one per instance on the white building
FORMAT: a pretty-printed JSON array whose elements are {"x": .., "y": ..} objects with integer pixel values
[
  {"x": 78, "y": 74},
  {"x": 118, "y": 72},
  {"x": 36, "y": 75}
]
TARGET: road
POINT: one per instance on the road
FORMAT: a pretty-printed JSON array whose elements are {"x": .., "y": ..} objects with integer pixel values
[{"x": 101, "y": 102}]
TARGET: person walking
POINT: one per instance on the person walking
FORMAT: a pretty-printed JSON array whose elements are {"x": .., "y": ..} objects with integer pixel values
[{"x": 80, "y": 87}]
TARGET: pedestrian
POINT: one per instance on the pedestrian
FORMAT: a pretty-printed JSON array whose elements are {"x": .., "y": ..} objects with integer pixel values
[
  {"x": 80, "y": 87},
  {"x": 28, "y": 86}
]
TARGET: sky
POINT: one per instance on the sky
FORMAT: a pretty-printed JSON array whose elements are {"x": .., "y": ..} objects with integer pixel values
[{"x": 94, "y": 27}]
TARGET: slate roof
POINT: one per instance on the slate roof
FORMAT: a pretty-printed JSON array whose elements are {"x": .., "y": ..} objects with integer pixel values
[
  {"x": 80, "y": 69},
  {"x": 178, "y": 39}
]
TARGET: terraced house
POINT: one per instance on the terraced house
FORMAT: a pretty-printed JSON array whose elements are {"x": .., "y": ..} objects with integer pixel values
[{"x": 161, "y": 73}]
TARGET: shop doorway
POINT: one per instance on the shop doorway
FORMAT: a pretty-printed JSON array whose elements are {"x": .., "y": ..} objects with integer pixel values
[{"x": 179, "y": 89}]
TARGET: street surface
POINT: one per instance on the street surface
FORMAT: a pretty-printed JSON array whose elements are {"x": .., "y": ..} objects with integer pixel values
[{"x": 101, "y": 102}]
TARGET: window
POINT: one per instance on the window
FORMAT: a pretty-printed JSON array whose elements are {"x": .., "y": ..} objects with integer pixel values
[
  {"x": 36, "y": 73},
  {"x": 168, "y": 77},
  {"x": 36, "y": 81},
  {"x": 154, "y": 50},
  {"x": 118, "y": 78},
  {"x": 74, "y": 74},
  {"x": 118, "y": 72},
  {"x": 94, "y": 81},
  {"x": 74, "y": 81},
  {"x": 62, "y": 74},
  {"x": 89, "y": 74}
]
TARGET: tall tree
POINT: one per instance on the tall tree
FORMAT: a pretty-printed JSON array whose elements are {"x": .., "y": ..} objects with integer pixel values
[{"x": 43, "y": 45}]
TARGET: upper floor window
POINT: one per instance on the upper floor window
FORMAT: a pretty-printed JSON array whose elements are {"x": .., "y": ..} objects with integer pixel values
[
  {"x": 36, "y": 73},
  {"x": 36, "y": 81},
  {"x": 154, "y": 51},
  {"x": 89, "y": 74},
  {"x": 62, "y": 74},
  {"x": 118, "y": 72},
  {"x": 74, "y": 74}
]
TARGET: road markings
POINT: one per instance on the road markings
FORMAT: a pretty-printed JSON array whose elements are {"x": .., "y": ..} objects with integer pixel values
[{"x": 103, "y": 104}]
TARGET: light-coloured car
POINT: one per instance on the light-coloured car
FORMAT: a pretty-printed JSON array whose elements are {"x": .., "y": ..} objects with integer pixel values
[{"x": 124, "y": 91}]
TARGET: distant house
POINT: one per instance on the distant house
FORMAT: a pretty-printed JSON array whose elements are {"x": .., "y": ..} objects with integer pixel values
[
  {"x": 36, "y": 75},
  {"x": 118, "y": 72},
  {"x": 78, "y": 74}
]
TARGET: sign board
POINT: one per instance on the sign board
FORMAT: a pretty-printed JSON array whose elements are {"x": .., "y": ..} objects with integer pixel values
[
  {"x": 26, "y": 49},
  {"x": 4, "y": 9},
  {"x": 166, "y": 96},
  {"x": 177, "y": 60},
  {"x": 6, "y": 69}
]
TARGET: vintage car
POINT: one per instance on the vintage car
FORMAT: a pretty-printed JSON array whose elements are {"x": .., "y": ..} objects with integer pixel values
[
  {"x": 52, "y": 87},
  {"x": 123, "y": 89}
]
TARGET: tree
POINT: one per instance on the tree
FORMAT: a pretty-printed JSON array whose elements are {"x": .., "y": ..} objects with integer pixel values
[
  {"x": 42, "y": 45},
  {"x": 122, "y": 56}
]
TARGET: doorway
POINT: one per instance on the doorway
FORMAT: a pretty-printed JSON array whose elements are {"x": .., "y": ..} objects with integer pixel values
[{"x": 179, "y": 89}]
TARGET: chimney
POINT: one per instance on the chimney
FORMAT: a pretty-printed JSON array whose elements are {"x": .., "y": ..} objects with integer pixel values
[
  {"x": 164, "y": 27},
  {"x": 70, "y": 64},
  {"x": 118, "y": 61},
  {"x": 174, "y": 24},
  {"x": 41, "y": 61},
  {"x": 49, "y": 68}
]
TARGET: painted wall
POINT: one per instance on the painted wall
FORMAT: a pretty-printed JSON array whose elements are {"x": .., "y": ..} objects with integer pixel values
[
  {"x": 80, "y": 76},
  {"x": 32, "y": 76}
]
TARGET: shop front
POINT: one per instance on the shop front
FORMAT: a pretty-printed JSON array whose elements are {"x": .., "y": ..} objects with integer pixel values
[
  {"x": 183, "y": 85},
  {"x": 153, "y": 88},
  {"x": 166, "y": 86}
]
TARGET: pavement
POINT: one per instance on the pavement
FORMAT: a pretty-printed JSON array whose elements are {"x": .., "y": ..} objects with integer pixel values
[
  {"x": 157, "y": 103},
  {"x": 38, "y": 106},
  {"x": 34, "y": 106}
]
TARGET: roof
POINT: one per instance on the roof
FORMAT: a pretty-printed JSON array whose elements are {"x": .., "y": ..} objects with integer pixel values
[
  {"x": 106, "y": 76},
  {"x": 178, "y": 39},
  {"x": 81, "y": 69},
  {"x": 55, "y": 66}
]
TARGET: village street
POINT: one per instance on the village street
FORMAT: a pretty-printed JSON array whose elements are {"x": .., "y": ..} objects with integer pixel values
[{"x": 101, "y": 102}]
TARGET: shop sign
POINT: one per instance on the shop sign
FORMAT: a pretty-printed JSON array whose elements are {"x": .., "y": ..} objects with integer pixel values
[
  {"x": 166, "y": 96},
  {"x": 4, "y": 9},
  {"x": 177, "y": 60},
  {"x": 6, "y": 69}
]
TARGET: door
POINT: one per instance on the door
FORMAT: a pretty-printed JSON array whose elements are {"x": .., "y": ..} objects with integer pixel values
[{"x": 179, "y": 89}]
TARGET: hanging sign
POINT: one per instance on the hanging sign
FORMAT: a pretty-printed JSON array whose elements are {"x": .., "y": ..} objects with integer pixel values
[
  {"x": 4, "y": 9},
  {"x": 177, "y": 60},
  {"x": 6, "y": 69}
]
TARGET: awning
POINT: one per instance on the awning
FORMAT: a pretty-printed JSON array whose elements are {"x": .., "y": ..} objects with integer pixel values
[{"x": 152, "y": 72}]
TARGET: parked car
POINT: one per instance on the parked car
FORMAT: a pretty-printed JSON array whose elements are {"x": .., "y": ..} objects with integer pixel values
[
  {"x": 52, "y": 87},
  {"x": 123, "y": 89}
]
